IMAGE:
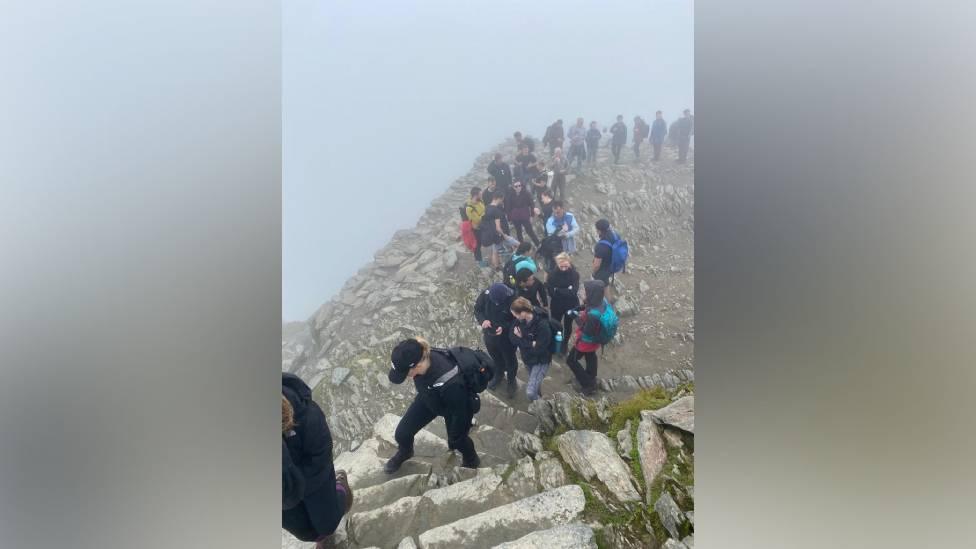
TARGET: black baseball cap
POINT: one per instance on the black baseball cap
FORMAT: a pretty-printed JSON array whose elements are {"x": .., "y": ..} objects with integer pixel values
[
  {"x": 405, "y": 355},
  {"x": 602, "y": 225}
]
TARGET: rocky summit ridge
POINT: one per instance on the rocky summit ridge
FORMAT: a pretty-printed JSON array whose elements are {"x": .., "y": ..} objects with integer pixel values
[{"x": 615, "y": 471}]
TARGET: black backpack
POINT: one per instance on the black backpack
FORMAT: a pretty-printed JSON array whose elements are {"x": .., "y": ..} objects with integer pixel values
[
  {"x": 474, "y": 365},
  {"x": 464, "y": 212}
]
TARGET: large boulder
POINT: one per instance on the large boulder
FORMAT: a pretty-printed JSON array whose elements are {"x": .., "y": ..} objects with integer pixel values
[
  {"x": 680, "y": 414},
  {"x": 591, "y": 454},
  {"x": 650, "y": 448},
  {"x": 568, "y": 536}
]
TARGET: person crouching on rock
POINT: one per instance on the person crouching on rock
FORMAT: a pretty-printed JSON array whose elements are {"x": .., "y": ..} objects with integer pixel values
[
  {"x": 314, "y": 496},
  {"x": 438, "y": 394},
  {"x": 533, "y": 335},
  {"x": 492, "y": 310}
]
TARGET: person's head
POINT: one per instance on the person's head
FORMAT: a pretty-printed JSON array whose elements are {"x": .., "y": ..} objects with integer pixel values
[
  {"x": 287, "y": 415},
  {"x": 563, "y": 262},
  {"x": 593, "y": 124},
  {"x": 517, "y": 136},
  {"x": 517, "y": 186},
  {"x": 602, "y": 227},
  {"x": 498, "y": 157},
  {"x": 523, "y": 248},
  {"x": 499, "y": 292},
  {"x": 620, "y": 118},
  {"x": 546, "y": 196},
  {"x": 687, "y": 113},
  {"x": 659, "y": 115},
  {"x": 497, "y": 199},
  {"x": 558, "y": 208},
  {"x": 579, "y": 121},
  {"x": 524, "y": 148},
  {"x": 491, "y": 184},
  {"x": 525, "y": 277},
  {"x": 410, "y": 358},
  {"x": 522, "y": 309},
  {"x": 636, "y": 119},
  {"x": 559, "y": 122},
  {"x": 594, "y": 290},
  {"x": 476, "y": 193}
]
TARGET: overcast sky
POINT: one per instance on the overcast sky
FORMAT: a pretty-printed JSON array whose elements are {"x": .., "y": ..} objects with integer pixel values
[{"x": 386, "y": 103}]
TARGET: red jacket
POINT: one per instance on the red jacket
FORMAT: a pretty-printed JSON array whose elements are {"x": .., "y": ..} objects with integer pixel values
[{"x": 592, "y": 328}]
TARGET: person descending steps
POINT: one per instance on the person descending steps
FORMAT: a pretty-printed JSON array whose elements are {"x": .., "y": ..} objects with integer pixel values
[{"x": 448, "y": 382}]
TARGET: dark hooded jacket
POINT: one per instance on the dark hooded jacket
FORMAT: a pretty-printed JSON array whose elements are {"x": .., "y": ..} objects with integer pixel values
[
  {"x": 310, "y": 507},
  {"x": 536, "y": 339},
  {"x": 536, "y": 293},
  {"x": 502, "y": 174},
  {"x": 589, "y": 324},
  {"x": 500, "y": 314}
]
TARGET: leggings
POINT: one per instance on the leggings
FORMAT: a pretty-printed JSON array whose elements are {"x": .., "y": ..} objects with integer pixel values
[
  {"x": 587, "y": 377},
  {"x": 615, "y": 149},
  {"x": 477, "y": 249},
  {"x": 457, "y": 420},
  {"x": 527, "y": 224}
]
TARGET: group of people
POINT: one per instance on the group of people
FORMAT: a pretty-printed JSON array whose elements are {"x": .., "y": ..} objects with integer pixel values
[{"x": 539, "y": 309}]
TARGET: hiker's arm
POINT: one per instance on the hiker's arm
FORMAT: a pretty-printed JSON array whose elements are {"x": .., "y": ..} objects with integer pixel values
[
  {"x": 292, "y": 480},
  {"x": 317, "y": 443},
  {"x": 498, "y": 226},
  {"x": 543, "y": 296},
  {"x": 479, "y": 308},
  {"x": 596, "y": 263},
  {"x": 573, "y": 228}
]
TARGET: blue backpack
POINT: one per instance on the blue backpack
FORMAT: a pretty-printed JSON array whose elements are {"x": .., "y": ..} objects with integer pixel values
[
  {"x": 619, "y": 252},
  {"x": 608, "y": 325}
]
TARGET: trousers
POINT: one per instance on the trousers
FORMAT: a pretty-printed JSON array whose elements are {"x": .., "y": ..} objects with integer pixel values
[
  {"x": 457, "y": 419},
  {"x": 585, "y": 377}
]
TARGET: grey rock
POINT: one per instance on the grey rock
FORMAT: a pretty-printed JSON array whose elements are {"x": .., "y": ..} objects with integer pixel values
[
  {"x": 689, "y": 542},
  {"x": 651, "y": 449},
  {"x": 450, "y": 259},
  {"x": 522, "y": 481},
  {"x": 339, "y": 375},
  {"x": 671, "y": 516},
  {"x": 672, "y": 544},
  {"x": 679, "y": 414},
  {"x": 505, "y": 523},
  {"x": 377, "y": 496},
  {"x": 407, "y": 543},
  {"x": 591, "y": 454},
  {"x": 568, "y": 536},
  {"x": 551, "y": 474},
  {"x": 525, "y": 444},
  {"x": 625, "y": 443}
]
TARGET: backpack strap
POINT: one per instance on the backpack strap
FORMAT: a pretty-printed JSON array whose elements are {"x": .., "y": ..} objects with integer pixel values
[{"x": 447, "y": 377}]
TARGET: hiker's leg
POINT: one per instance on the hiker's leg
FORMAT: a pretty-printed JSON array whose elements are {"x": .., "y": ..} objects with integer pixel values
[
  {"x": 495, "y": 352},
  {"x": 298, "y": 523},
  {"x": 536, "y": 374},
  {"x": 591, "y": 365},
  {"x": 477, "y": 248},
  {"x": 518, "y": 230},
  {"x": 416, "y": 418},
  {"x": 457, "y": 421},
  {"x": 567, "y": 327},
  {"x": 531, "y": 231},
  {"x": 574, "y": 365},
  {"x": 511, "y": 361}
]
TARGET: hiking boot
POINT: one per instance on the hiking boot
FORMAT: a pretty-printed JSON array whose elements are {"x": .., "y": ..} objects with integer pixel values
[
  {"x": 471, "y": 463},
  {"x": 342, "y": 486},
  {"x": 394, "y": 463},
  {"x": 512, "y": 388}
]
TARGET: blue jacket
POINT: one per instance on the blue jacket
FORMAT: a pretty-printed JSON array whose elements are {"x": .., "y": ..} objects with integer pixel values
[{"x": 659, "y": 130}]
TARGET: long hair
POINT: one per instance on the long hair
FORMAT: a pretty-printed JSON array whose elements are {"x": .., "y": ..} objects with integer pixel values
[
  {"x": 287, "y": 415},
  {"x": 426, "y": 346}
]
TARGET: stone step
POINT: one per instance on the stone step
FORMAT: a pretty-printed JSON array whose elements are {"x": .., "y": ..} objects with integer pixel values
[
  {"x": 386, "y": 526},
  {"x": 377, "y": 496},
  {"x": 365, "y": 465},
  {"x": 567, "y": 536},
  {"x": 509, "y": 522}
]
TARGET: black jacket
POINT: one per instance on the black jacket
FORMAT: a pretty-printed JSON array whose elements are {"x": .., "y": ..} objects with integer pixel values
[
  {"x": 452, "y": 401},
  {"x": 536, "y": 293},
  {"x": 500, "y": 314},
  {"x": 563, "y": 288},
  {"x": 593, "y": 137},
  {"x": 502, "y": 174},
  {"x": 536, "y": 339},
  {"x": 307, "y": 475},
  {"x": 619, "y": 131}
]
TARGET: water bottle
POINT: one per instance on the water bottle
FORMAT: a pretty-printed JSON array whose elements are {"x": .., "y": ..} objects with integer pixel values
[{"x": 559, "y": 342}]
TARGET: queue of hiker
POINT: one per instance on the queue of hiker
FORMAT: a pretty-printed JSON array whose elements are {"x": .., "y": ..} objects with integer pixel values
[{"x": 539, "y": 309}]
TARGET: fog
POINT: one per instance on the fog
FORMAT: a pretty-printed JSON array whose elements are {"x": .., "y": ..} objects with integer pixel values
[{"x": 385, "y": 104}]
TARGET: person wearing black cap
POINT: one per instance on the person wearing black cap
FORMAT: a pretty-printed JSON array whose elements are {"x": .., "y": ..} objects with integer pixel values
[
  {"x": 603, "y": 252},
  {"x": 439, "y": 393},
  {"x": 492, "y": 310}
]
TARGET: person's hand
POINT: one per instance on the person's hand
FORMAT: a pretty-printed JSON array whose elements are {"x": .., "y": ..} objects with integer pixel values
[
  {"x": 498, "y": 331},
  {"x": 565, "y": 227},
  {"x": 517, "y": 331},
  {"x": 486, "y": 325},
  {"x": 537, "y": 211}
]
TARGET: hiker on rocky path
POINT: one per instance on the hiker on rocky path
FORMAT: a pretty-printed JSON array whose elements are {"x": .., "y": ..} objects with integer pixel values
[
  {"x": 563, "y": 224},
  {"x": 527, "y": 141},
  {"x": 554, "y": 136},
  {"x": 441, "y": 392},
  {"x": 684, "y": 128},
  {"x": 524, "y": 165},
  {"x": 577, "y": 144},
  {"x": 659, "y": 130},
  {"x": 314, "y": 496},
  {"x": 591, "y": 334},
  {"x": 495, "y": 231},
  {"x": 491, "y": 189},
  {"x": 545, "y": 209},
  {"x": 563, "y": 286},
  {"x": 520, "y": 208},
  {"x": 540, "y": 183},
  {"x": 559, "y": 169},
  {"x": 533, "y": 336},
  {"x": 641, "y": 130},
  {"x": 603, "y": 252},
  {"x": 492, "y": 311},
  {"x": 474, "y": 209},
  {"x": 501, "y": 172},
  {"x": 593, "y": 137},
  {"x": 527, "y": 286},
  {"x": 619, "y": 138}
]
